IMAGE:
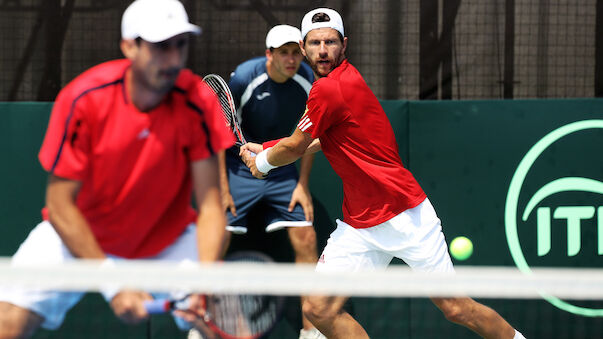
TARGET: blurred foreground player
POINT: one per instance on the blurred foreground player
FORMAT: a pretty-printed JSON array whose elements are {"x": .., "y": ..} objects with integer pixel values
[{"x": 127, "y": 143}]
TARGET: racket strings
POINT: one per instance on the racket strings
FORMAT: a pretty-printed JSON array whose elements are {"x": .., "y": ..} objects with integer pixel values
[
  {"x": 222, "y": 91},
  {"x": 223, "y": 99},
  {"x": 243, "y": 315}
]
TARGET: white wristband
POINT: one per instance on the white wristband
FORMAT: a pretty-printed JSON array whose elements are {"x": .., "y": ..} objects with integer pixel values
[{"x": 261, "y": 161}]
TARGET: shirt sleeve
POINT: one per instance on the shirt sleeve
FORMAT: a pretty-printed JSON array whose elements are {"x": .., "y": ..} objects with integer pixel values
[
  {"x": 271, "y": 143},
  {"x": 65, "y": 150},
  {"x": 318, "y": 115}
]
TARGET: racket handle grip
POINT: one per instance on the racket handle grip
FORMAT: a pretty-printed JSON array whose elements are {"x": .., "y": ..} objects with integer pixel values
[{"x": 157, "y": 306}]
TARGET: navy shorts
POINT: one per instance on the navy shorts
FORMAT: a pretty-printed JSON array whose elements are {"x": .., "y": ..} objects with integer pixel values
[{"x": 274, "y": 193}]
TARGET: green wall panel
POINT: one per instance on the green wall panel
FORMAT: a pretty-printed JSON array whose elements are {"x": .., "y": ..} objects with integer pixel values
[{"x": 22, "y": 178}]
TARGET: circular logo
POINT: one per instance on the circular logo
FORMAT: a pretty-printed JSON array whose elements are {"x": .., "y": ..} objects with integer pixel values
[{"x": 556, "y": 186}]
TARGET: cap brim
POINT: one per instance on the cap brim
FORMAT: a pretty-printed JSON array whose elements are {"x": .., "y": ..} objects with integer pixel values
[
  {"x": 277, "y": 44},
  {"x": 172, "y": 32}
]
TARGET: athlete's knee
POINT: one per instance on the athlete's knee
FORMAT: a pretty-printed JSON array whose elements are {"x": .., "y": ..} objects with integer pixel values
[
  {"x": 456, "y": 310},
  {"x": 455, "y": 314},
  {"x": 17, "y": 322},
  {"x": 319, "y": 309}
]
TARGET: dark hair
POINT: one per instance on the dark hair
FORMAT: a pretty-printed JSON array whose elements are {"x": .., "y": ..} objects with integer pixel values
[
  {"x": 320, "y": 17},
  {"x": 323, "y": 17}
]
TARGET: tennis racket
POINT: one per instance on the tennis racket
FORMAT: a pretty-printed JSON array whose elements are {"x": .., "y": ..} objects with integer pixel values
[
  {"x": 222, "y": 91},
  {"x": 243, "y": 316}
]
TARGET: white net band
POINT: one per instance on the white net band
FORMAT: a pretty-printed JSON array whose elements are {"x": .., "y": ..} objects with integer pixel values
[{"x": 289, "y": 279}]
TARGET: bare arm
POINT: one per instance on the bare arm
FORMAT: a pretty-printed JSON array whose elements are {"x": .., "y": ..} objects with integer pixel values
[
  {"x": 290, "y": 149},
  {"x": 313, "y": 147},
  {"x": 211, "y": 223},
  {"x": 68, "y": 220},
  {"x": 286, "y": 151},
  {"x": 227, "y": 201},
  {"x": 301, "y": 194},
  {"x": 74, "y": 230},
  {"x": 257, "y": 148}
]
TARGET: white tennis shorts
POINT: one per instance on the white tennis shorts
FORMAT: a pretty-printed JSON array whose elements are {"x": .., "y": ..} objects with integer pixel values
[
  {"x": 414, "y": 236},
  {"x": 44, "y": 246}
]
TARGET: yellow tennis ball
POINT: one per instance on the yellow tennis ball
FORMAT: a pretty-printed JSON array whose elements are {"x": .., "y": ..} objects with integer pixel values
[{"x": 461, "y": 248}]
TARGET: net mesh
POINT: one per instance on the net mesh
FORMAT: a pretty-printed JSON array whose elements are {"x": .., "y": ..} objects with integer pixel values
[{"x": 389, "y": 304}]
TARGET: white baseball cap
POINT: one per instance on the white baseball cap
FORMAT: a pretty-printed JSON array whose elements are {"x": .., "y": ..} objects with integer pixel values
[
  {"x": 282, "y": 34},
  {"x": 334, "y": 21},
  {"x": 156, "y": 20}
]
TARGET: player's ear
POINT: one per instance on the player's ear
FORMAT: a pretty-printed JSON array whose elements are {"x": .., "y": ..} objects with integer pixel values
[
  {"x": 129, "y": 48},
  {"x": 268, "y": 53},
  {"x": 301, "y": 47},
  {"x": 345, "y": 44}
]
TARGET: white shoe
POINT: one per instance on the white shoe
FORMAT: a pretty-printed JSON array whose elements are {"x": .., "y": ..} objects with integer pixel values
[
  {"x": 194, "y": 334},
  {"x": 311, "y": 334}
]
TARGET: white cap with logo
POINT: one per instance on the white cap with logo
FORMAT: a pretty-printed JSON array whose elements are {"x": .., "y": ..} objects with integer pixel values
[
  {"x": 156, "y": 20},
  {"x": 333, "y": 18},
  {"x": 282, "y": 34}
]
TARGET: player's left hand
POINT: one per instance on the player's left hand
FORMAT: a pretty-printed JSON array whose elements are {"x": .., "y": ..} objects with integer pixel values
[
  {"x": 301, "y": 195},
  {"x": 247, "y": 154}
]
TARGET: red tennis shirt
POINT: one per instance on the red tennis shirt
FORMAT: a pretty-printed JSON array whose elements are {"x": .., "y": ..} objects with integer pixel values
[
  {"x": 135, "y": 167},
  {"x": 358, "y": 140}
]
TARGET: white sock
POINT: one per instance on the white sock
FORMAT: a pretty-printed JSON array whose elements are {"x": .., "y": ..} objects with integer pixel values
[{"x": 518, "y": 335}]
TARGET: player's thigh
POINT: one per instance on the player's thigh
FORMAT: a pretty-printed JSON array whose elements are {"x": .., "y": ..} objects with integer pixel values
[
  {"x": 279, "y": 187},
  {"x": 42, "y": 246},
  {"x": 17, "y": 322},
  {"x": 246, "y": 192},
  {"x": 421, "y": 243},
  {"x": 277, "y": 197},
  {"x": 323, "y": 307}
]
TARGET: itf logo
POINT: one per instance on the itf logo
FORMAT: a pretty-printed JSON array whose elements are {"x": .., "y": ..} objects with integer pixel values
[{"x": 554, "y": 207}]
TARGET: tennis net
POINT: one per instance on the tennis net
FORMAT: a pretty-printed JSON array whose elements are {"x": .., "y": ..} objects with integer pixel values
[{"x": 390, "y": 304}]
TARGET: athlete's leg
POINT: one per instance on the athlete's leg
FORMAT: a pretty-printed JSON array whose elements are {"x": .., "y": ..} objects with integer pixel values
[
  {"x": 227, "y": 238},
  {"x": 477, "y": 317},
  {"x": 303, "y": 241},
  {"x": 24, "y": 310},
  {"x": 277, "y": 197},
  {"x": 329, "y": 317},
  {"x": 347, "y": 250},
  {"x": 425, "y": 250},
  {"x": 17, "y": 322}
]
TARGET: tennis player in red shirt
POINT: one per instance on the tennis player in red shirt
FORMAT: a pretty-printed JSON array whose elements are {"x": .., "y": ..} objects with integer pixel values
[
  {"x": 386, "y": 214},
  {"x": 127, "y": 144}
]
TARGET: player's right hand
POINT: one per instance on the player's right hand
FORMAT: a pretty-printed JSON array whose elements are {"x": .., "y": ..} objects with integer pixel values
[
  {"x": 228, "y": 202},
  {"x": 128, "y": 306},
  {"x": 195, "y": 314}
]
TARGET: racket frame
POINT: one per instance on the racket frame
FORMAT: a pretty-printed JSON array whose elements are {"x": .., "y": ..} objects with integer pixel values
[{"x": 220, "y": 88}]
